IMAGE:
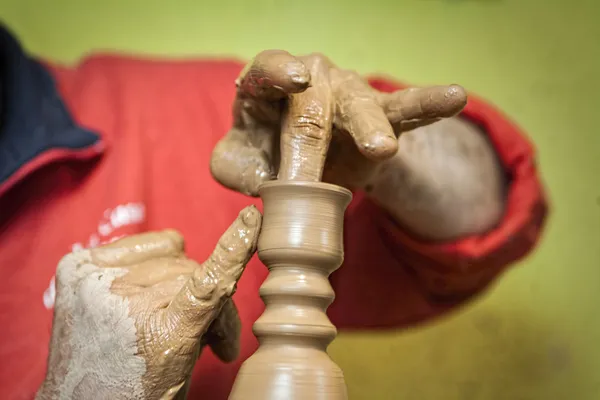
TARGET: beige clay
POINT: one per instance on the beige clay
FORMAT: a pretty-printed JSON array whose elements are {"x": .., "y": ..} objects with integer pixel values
[
  {"x": 339, "y": 117},
  {"x": 150, "y": 310},
  {"x": 336, "y": 128},
  {"x": 301, "y": 243}
]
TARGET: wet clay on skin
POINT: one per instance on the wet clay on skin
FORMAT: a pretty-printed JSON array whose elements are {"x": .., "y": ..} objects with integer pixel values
[
  {"x": 150, "y": 310},
  {"x": 301, "y": 242},
  {"x": 305, "y": 119},
  {"x": 162, "y": 308}
]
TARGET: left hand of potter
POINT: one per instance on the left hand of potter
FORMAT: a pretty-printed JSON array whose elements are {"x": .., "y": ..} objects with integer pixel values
[
  {"x": 131, "y": 317},
  {"x": 334, "y": 126}
]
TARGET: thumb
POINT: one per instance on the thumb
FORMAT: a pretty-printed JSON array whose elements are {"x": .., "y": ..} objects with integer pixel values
[{"x": 200, "y": 300}]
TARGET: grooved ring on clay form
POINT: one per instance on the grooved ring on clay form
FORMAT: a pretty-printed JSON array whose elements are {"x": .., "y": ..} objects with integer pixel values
[{"x": 303, "y": 222}]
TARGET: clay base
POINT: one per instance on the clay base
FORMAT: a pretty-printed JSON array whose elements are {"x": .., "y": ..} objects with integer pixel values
[
  {"x": 289, "y": 372},
  {"x": 301, "y": 243}
]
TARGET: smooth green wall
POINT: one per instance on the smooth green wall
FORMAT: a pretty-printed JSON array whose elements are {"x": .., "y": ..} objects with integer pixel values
[{"x": 536, "y": 334}]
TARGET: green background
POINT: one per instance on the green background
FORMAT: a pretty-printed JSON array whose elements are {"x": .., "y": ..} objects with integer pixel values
[{"x": 536, "y": 334}]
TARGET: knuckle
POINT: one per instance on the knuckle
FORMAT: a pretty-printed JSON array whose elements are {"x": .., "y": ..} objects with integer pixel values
[
  {"x": 65, "y": 264},
  {"x": 311, "y": 124},
  {"x": 204, "y": 283},
  {"x": 175, "y": 237},
  {"x": 318, "y": 58},
  {"x": 361, "y": 101},
  {"x": 69, "y": 268},
  {"x": 233, "y": 250}
]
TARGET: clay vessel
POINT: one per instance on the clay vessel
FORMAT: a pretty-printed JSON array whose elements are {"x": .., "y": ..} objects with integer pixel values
[{"x": 301, "y": 244}]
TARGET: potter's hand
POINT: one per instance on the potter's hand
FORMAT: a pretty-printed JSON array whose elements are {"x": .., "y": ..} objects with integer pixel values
[
  {"x": 333, "y": 125},
  {"x": 131, "y": 317}
]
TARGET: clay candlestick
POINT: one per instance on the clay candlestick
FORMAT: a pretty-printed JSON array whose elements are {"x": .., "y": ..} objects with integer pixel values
[{"x": 301, "y": 244}]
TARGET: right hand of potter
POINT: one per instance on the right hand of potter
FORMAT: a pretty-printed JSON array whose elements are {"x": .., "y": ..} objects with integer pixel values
[
  {"x": 303, "y": 118},
  {"x": 131, "y": 317}
]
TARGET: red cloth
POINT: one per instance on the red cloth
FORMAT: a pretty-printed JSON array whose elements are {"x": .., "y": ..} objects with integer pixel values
[{"x": 159, "y": 121}]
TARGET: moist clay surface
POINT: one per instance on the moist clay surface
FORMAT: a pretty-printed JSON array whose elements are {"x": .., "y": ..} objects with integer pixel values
[
  {"x": 301, "y": 243},
  {"x": 334, "y": 128}
]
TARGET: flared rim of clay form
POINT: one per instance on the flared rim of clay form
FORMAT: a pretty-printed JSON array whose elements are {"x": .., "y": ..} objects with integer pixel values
[
  {"x": 302, "y": 220},
  {"x": 325, "y": 187},
  {"x": 301, "y": 244}
]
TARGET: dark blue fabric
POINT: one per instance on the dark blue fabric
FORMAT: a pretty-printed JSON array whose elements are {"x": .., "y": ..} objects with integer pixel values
[{"x": 33, "y": 117}]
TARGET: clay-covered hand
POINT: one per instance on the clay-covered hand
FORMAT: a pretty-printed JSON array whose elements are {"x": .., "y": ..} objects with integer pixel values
[
  {"x": 131, "y": 317},
  {"x": 303, "y": 118}
]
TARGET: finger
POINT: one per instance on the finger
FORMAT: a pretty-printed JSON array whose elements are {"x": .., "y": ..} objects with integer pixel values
[
  {"x": 235, "y": 247},
  {"x": 180, "y": 392},
  {"x": 272, "y": 75},
  {"x": 358, "y": 112},
  {"x": 72, "y": 268},
  {"x": 223, "y": 335},
  {"x": 138, "y": 248},
  {"x": 245, "y": 157},
  {"x": 428, "y": 104},
  {"x": 141, "y": 301},
  {"x": 345, "y": 165},
  {"x": 243, "y": 160},
  {"x": 155, "y": 297},
  {"x": 262, "y": 111},
  {"x": 306, "y": 126},
  {"x": 200, "y": 300},
  {"x": 157, "y": 270}
]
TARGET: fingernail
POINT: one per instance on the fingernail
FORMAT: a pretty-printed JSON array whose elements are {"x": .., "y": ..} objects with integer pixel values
[
  {"x": 174, "y": 236},
  {"x": 297, "y": 73},
  {"x": 457, "y": 93},
  {"x": 381, "y": 146},
  {"x": 250, "y": 216},
  {"x": 299, "y": 79}
]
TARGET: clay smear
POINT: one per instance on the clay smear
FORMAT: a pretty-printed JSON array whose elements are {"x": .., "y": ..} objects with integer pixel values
[
  {"x": 150, "y": 309},
  {"x": 248, "y": 154},
  {"x": 306, "y": 126},
  {"x": 305, "y": 119},
  {"x": 86, "y": 308}
]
